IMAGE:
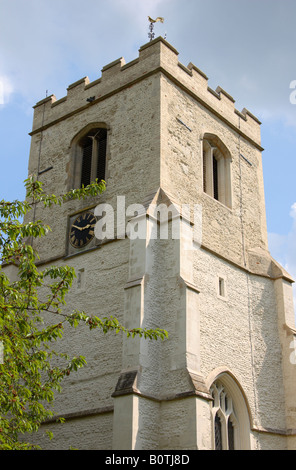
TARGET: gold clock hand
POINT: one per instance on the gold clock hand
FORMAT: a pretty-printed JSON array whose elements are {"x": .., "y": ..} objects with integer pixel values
[{"x": 79, "y": 228}]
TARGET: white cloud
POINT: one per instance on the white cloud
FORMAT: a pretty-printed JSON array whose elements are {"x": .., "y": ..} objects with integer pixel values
[
  {"x": 47, "y": 45},
  {"x": 6, "y": 88},
  {"x": 44, "y": 44}
]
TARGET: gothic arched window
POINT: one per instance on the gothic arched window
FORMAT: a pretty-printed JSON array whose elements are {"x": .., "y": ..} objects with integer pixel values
[
  {"x": 216, "y": 169},
  {"x": 90, "y": 148},
  {"x": 93, "y": 156},
  {"x": 225, "y": 423},
  {"x": 218, "y": 432}
]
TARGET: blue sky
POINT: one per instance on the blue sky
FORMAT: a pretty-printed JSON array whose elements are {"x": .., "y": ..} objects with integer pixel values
[{"x": 245, "y": 46}]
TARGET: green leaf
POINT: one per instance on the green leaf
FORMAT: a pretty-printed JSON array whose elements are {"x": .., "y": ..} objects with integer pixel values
[{"x": 33, "y": 367}]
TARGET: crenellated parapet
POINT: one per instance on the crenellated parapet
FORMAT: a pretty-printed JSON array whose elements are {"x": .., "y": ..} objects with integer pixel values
[{"x": 157, "y": 56}]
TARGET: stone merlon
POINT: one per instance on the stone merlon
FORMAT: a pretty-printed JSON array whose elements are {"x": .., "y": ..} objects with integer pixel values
[{"x": 157, "y": 56}]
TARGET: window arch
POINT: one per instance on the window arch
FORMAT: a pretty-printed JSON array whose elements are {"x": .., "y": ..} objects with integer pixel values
[
  {"x": 90, "y": 149},
  {"x": 217, "y": 169},
  {"x": 231, "y": 419},
  {"x": 226, "y": 428}
]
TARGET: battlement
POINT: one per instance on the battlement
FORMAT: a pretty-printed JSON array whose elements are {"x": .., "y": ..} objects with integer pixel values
[{"x": 157, "y": 56}]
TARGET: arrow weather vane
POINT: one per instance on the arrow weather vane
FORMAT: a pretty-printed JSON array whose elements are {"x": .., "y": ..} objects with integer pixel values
[{"x": 151, "y": 26}]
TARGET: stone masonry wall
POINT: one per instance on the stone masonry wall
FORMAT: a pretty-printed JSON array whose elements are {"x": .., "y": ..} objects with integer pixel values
[{"x": 156, "y": 112}]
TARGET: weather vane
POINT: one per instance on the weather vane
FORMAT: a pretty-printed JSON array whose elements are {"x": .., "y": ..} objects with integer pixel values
[{"x": 151, "y": 26}]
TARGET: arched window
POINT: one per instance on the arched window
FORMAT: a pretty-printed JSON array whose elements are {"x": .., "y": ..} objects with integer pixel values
[
  {"x": 231, "y": 416},
  {"x": 226, "y": 429},
  {"x": 89, "y": 157},
  {"x": 216, "y": 169},
  {"x": 218, "y": 433}
]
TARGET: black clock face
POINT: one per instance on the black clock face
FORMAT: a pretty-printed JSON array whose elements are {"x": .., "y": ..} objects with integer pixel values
[{"x": 82, "y": 230}]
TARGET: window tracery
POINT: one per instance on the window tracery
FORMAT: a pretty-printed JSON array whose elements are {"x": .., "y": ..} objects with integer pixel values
[{"x": 225, "y": 423}]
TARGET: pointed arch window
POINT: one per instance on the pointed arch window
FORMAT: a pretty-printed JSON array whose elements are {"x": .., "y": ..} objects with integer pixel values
[
  {"x": 225, "y": 423},
  {"x": 230, "y": 433},
  {"x": 216, "y": 170},
  {"x": 93, "y": 163},
  {"x": 90, "y": 148},
  {"x": 218, "y": 433}
]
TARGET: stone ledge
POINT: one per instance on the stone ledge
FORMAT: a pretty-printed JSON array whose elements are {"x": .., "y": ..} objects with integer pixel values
[
  {"x": 280, "y": 432},
  {"x": 127, "y": 385},
  {"x": 80, "y": 414}
]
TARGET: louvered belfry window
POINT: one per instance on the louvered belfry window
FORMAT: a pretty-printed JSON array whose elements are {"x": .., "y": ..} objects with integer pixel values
[
  {"x": 215, "y": 178},
  {"x": 86, "y": 163},
  {"x": 204, "y": 172},
  {"x": 93, "y": 156},
  {"x": 101, "y": 163},
  {"x": 217, "y": 170}
]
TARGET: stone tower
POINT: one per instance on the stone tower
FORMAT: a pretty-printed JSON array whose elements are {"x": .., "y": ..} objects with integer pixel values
[{"x": 161, "y": 138}]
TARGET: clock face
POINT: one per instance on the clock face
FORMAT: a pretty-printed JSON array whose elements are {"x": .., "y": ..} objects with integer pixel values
[{"x": 82, "y": 230}]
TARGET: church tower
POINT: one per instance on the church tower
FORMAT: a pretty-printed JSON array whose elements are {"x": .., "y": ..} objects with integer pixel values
[{"x": 184, "y": 248}]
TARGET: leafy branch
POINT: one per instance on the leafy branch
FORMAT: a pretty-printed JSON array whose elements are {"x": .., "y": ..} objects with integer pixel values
[{"x": 32, "y": 371}]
